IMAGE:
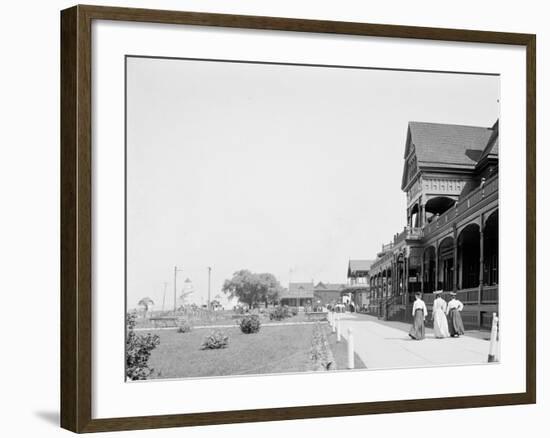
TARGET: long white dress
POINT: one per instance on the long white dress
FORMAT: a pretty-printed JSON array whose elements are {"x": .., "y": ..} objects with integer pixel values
[{"x": 441, "y": 327}]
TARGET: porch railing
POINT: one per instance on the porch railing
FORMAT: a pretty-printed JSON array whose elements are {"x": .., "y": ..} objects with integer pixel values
[
  {"x": 408, "y": 233},
  {"x": 471, "y": 200},
  {"x": 489, "y": 295}
]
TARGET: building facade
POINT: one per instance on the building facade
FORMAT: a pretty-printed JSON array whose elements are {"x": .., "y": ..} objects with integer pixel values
[
  {"x": 298, "y": 295},
  {"x": 358, "y": 285},
  {"x": 306, "y": 294},
  {"x": 327, "y": 294},
  {"x": 450, "y": 240}
]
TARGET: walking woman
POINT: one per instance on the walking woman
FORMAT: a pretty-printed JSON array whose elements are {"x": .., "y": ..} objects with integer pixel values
[
  {"x": 419, "y": 313},
  {"x": 441, "y": 328},
  {"x": 454, "y": 307}
]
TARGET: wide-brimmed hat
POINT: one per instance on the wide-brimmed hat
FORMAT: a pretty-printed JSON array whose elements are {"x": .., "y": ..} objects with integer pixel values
[{"x": 437, "y": 292}]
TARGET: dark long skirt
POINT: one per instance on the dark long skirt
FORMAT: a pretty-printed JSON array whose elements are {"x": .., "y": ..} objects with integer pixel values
[
  {"x": 417, "y": 330},
  {"x": 456, "y": 326}
]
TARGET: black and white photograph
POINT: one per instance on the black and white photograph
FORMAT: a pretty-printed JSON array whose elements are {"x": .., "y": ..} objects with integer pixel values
[
  {"x": 287, "y": 218},
  {"x": 274, "y": 219}
]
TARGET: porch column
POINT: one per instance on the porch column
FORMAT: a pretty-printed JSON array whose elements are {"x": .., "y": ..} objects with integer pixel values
[
  {"x": 397, "y": 276},
  {"x": 406, "y": 279},
  {"x": 481, "y": 261},
  {"x": 455, "y": 260},
  {"x": 390, "y": 279},
  {"x": 422, "y": 273},
  {"x": 423, "y": 214},
  {"x": 387, "y": 284},
  {"x": 405, "y": 298},
  {"x": 395, "y": 284},
  {"x": 436, "y": 277}
]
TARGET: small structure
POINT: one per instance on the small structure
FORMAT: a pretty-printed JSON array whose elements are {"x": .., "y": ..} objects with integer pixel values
[
  {"x": 358, "y": 286},
  {"x": 327, "y": 294},
  {"x": 298, "y": 295}
]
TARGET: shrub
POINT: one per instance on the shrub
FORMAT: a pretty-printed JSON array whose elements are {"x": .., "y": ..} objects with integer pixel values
[
  {"x": 279, "y": 313},
  {"x": 250, "y": 324},
  {"x": 138, "y": 350},
  {"x": 294, "y": 311},
  {"x": 184, "y": 326},
  {"x": 216, "y": 339}
]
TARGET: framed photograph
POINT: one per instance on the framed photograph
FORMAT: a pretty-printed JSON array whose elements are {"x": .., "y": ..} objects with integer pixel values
[{"x": 272, "y": 218}]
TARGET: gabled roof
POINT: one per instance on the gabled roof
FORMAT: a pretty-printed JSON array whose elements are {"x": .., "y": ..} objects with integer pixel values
[
  {"x": 445, "y": 145},
  {"x": 298, "y": 290},
  {"x": 491, "y": 150},
  {"x": 329, "y": 286},
  {"x": 359, "y": 265}
]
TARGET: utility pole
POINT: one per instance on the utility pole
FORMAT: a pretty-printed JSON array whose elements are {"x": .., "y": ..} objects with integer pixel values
[
  {"x": 209, "y": 274},
  {"x": 164, "y": 295},
  {"x": 176, "y": 270}
]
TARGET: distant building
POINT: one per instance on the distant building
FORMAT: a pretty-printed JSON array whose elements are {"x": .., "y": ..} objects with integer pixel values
[
  {"x": 308, "y": 294},
  {"x": 327, "y": 293},
  {"x": 450, "y": 241},
  {"x": 298, "y": 294},
  {"x": 358, "y": 285}
]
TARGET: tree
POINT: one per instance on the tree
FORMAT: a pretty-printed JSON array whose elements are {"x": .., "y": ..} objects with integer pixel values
[
  {"x": 252, "y": 288},
  {"x": 271, "y": 288},
  {"x": 146, "y": 303}
]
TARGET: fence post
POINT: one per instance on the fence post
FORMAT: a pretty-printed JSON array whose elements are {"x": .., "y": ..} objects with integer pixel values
[
  {"x": 493, "y": 345},
  {"x": 351, "y": 362},
  {"x": 338, "y": 330},
  {"x": 333, "y": 324}
]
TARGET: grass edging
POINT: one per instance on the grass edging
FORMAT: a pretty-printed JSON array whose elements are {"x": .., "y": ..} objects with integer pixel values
[{"x": 340, "y": 351}]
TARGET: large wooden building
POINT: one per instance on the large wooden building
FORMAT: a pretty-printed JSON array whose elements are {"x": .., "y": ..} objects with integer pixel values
[
  {"x": 358, "y": 285},
  {"x": 450, "y": 241},
  {"x": 298, "y": 295},
  {"x": 327, "y": 294},
  {"x": 307, "y": 294}
]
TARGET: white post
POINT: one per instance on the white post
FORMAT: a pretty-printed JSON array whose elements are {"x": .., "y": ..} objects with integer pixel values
[
  {"x": 351, "y": 362},
  {"x": 338, "y": 330},
  {"x": 493, "y": 345},
  {"x": 333, "y": 322}
]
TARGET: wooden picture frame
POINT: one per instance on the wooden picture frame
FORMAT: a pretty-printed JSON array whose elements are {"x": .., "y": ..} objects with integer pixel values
[{"x": 76, "y": 217}]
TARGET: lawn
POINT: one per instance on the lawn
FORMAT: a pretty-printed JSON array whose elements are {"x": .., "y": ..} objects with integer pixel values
[
  {"x": 220, "y": 318},
  {"x": 275, "y": 349}
]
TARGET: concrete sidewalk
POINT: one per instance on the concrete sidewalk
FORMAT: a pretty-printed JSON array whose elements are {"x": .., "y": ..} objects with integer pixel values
[{"x": 381, "y": 345}]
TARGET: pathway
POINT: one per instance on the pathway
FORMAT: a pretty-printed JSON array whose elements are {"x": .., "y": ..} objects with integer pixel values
[{"x": 383, "y": 345}]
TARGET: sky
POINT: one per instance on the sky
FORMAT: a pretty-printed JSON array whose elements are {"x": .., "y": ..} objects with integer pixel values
[{"x": 291, "y": 170}]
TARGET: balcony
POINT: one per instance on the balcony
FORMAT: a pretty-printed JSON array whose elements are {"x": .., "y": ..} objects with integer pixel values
[
  {"x": 357, "y": 284},
  {"x": 387, "y": 247},
  {"x": 408, "y": 233},
  {"x": 470, "y": 201}
]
